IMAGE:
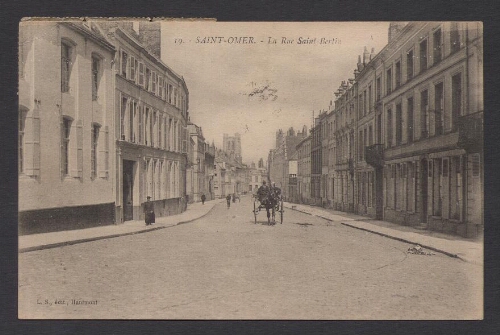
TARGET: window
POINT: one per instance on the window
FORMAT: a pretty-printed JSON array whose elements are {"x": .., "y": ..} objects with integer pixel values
[
  {"x": 445, "y": 167},
  {"x": 93, "y": 154},
  {"x": 389, "y": 81},
  {"x": 424, "y": 113},
  {"x": 437, "y": 46},
  {"x": 409, "y": 130},
  {"x": 456, "y": 99},
  {"x": 423, "y": 55},
  {"x": 65, "y": 131},
  {"x": 369, "y": 98},
  {"x": 370, "y": 135},
  {"x": 476, "y": 164},
  {"x": 409, "y": 65},
  {"x": 124, "y": 63},
  {"x": 160, "y": 131},
  {"x": 147, "y": 84},
  {"x": 131, "y": 115},
  {"x": 133, "y": 68},
  {"x": 365, "y": 141},
  {"x": 398, "y": 74},
  {"x": 22, "y": 123},
  {"x": 65, "y": 66},
  {"x": 379, "y": 129},
  {"x": 389, "y": 128},
  {"x": 123, "y": 117},
  {"x": 153, "y": 86},
  {"x": 399, "y": 124},
  {"x": 365, "y": 103},
  {"x": 160, "y": 88},
  {"x": 141, "y": 74},
  {"x": 379, "y": 89},
  {"x": 438, "y": 103},
  {"x": 454, "y": 37},
  {"x": 96, "y": 62}
]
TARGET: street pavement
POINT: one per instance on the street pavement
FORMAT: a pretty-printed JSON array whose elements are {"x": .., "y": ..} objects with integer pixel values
[
  {"x": 223, "y": 266},
  {"x": 453, "y": 246},
  {"x": 61, "y": 238}
]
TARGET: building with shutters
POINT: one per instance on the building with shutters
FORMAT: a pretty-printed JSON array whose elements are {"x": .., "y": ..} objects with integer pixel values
[
  {"x": 432, "y": 106},
  {"x": 151, "y": 113},
  {"x": 66, "y": 130}
]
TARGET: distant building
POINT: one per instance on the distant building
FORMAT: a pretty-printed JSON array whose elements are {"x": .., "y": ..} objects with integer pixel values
[
  {"x": 304, "y": 170},
  {"x": 230, "y": 174},
  {"x": 258, "y": 174},
  {"x": 209, "y": 171},
  {"x": 232, "y": 145},
  {"x": 278, "y": 159},
  {"x": 198, "y": 166}
]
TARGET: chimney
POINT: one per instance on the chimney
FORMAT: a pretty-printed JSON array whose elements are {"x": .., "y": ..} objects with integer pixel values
[
  {"x": 394, "y": 29},
  {"x": 360, "y": 65},
  {"x": 150, "y": 36},
  {"x": 372, "y": 54},
  {"x": 365, "y": 56}
]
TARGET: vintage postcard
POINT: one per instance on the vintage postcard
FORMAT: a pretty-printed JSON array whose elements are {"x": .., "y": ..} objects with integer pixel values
[{"x": 195, "y": 169}]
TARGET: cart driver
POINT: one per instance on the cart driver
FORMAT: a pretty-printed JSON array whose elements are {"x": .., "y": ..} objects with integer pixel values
[{"x": 263, "y": 191}]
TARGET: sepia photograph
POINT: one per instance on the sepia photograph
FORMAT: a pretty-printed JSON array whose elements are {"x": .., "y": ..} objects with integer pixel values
[{"x": 190, "y": 169}]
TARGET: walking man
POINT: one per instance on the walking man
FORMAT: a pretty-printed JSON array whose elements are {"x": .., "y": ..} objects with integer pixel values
[
  {"x": 228, "y": 200},
  {"x": 149, "y": 212},
  {"x": 203, "y": 197}
]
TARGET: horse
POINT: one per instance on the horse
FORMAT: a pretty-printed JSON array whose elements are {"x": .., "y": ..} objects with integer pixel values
[{"x": 269, "y": 202}]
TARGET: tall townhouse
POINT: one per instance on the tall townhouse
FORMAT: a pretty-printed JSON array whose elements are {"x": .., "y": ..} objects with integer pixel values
[
  {"x": 316, "y": 166},
  {"x": 432, "y": 87},
  {"x": 324, "y": 119},
  {"x": 304, "y": 170},
  {"x": 66, "y": 127},
  {"x": 209, "y": 171},
  {"x": 330, "y": 147},
  {"x": 368, "y": 131},
  {"x": 198, "y": 168},
  {"x": 344, "y": 129},
  {"x": 151, "y": 113}
]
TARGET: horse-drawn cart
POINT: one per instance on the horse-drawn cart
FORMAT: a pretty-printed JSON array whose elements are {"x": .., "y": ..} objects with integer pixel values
[{"x": 272, "y": 202}]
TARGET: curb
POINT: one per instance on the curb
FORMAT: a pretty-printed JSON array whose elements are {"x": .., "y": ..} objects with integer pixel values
[
  {"x": 406, "y": 241},
  {"x": 450, "y": 254},
  {"x": 97, "y": 238}
]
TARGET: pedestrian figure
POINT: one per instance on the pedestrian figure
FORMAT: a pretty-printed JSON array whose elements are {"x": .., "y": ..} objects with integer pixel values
[
  {"x": 149, "y": 212},
  {"x": 234, "y": 197},
  {"x": 203, "y": 197},
  {"x": 228, "y": 200}
]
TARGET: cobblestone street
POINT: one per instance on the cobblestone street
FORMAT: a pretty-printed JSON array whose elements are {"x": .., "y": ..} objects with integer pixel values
[{"x": 223, "y": 266}]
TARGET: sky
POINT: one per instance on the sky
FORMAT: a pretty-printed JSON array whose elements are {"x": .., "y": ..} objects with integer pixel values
[{"x": 256, "y": 88}]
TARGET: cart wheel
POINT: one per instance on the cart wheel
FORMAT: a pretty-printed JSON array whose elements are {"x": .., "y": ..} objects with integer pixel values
[
  {"x": 281, "y": 211},
  {"x": 254, "y": 213}
]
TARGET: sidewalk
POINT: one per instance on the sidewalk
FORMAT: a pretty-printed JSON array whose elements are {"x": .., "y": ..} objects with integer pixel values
[
  {"x": 56, "y": 239},
  {"x": 454, "y": 246}
]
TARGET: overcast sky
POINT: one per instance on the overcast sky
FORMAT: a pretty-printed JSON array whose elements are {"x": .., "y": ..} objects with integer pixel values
[{"x": 300, "y": 78}]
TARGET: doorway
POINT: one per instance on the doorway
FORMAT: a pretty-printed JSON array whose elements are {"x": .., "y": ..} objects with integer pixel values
[{"x": 128, "y": 190}]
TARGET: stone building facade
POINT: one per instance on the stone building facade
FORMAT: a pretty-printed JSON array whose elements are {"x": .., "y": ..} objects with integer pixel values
[
  {"x": 406, "y": 132},
  {"x": 151, "y": 113},
  {"x": 66, "y": 127}
]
